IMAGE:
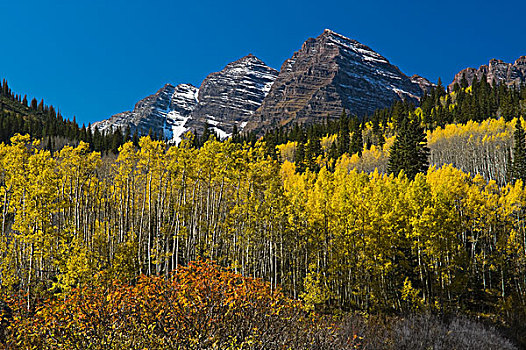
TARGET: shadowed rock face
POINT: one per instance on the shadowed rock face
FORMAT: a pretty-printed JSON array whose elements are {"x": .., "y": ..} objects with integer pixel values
[
  {"x": 498, "y": 71},
  {"x": 231, "y": 96},
  {"x": 225, "y": 99},
  {"x": 165, "y": 112},
  {"x": 331, "y": 73}
]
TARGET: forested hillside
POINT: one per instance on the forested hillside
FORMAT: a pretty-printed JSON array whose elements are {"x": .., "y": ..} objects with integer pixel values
[
  {"x": 315, "y": 211},
  {"x": 471, "y": 127},
  {"x": 43, "y": 122}
]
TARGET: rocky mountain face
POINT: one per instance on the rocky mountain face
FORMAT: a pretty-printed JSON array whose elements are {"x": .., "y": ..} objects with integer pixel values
[
  {"x": 329, "y": 74},
  {"x": 497, "y": 70},
  {"x": 425, "y": 85},
  {"x": 224, "y": 99},
  {"x": 165, "y": 112},
  {"x": 231, "y": 96}
]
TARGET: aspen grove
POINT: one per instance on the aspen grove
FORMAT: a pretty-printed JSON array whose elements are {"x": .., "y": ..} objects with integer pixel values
[{"x": 337, "y": 239}]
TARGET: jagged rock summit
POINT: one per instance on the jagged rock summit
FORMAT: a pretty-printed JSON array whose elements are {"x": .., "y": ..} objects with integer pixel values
[
  {"x": 224, "y": 99},
  {"x": 496, "y": 71},
  {"x": 331, "y": 73}
]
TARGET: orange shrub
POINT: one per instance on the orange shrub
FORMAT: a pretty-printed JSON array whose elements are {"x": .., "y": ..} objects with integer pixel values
[{"x": 201, "y": 306}]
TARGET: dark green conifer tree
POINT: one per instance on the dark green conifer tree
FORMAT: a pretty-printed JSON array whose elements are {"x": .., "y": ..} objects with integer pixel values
[
  {"x": 299, "y": 158},
  {"x": 206, "y": 135},
  {"x": 519, "y": 153},
  {"x": 235, "y": 134},
  {"x": 312, "y": 151},
  {"x": 409, "y": 151},
  {"x": 116, "y": 140},
  {"x": 135, "y": 138},
  {"x": 333, "y": 151},
  {"x": 356, "y": 145},
  {"x": 127, "y": 134},
  {"x": 343, "y": 140}
]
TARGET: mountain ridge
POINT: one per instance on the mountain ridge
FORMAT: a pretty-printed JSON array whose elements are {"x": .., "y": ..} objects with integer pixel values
[
  {"x": 496, "y": 71},
  {"x": 329, "y": 74}
]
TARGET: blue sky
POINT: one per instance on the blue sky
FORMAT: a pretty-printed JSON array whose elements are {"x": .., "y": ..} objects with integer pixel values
[{"x": 96, "y": 58}]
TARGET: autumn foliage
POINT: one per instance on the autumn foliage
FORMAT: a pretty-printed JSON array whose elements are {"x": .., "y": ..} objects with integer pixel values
[
  {"x": 338, "y": 239},
  {"x": 201, "y": 306}
]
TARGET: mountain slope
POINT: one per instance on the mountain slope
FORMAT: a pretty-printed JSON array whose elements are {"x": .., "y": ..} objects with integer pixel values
[
  {"x": 164, "y": 112},
  {"x": 226, "y": 98},
  {"x": 496, "y": 70},
  {"x": 329, "y": 74},
  {"x": 231, "y": 96}
]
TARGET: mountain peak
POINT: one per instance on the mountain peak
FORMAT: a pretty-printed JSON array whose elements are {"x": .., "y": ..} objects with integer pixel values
[
  {"x": 331, "y": 33},
  {"x": 329, "y": 74},
  {"x": 496, "y": 70},
  {"x": 248, "y": 59},
  {"x": 521, "y": 61},
  {"x": 230, "y": 97},
  {"x": 351, "y": 45}
]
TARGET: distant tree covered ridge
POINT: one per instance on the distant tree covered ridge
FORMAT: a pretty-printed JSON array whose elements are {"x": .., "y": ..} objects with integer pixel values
[
  {"x": 43, "y": 122},
  {"x": 335, "y": 136},
  {"x": 471, "y": 127}
]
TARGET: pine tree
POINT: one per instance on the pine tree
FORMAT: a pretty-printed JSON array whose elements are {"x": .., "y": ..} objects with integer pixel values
[
  {"x": 519, "y": 153},
  {"x": 333, "y": 151},
  {"x": 127, "y": 134},
  {"x": 312, "y": 151},
  {"x": 409, "y": 151},
  {"x": 34, "y": 104},
  {"x": 356, "y": 145},
  {"x": 135, "y": 138},
  {"x": 299, "y": 158},
  {"x": 235, "y": 134},
  {"x": 464, "y": 82},
  {"x": 116, "y": 140},
  {"x": 343, "y": 139}
]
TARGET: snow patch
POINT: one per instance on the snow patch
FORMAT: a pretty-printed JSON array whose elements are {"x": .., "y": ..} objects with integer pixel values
[
  {"x": 221, "y": 133},
  {"x": 178, "y": 127}
]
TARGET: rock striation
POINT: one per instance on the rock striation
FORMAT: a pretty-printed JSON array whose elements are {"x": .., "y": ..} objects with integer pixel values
[
  {"x": 225, "y": 98},
  {"x": 498, "y": 71},
  {"x": 231, "y": 96},
  {"x": 331, "y": 73},
  {"x": 165, "y": 113}
]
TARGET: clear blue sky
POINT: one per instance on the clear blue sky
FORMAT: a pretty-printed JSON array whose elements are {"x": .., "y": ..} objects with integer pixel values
[{"x": 96, "y": 58}]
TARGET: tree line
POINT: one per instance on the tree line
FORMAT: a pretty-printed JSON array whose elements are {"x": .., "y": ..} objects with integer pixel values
[
  {"x": 352, "y": 134},
  {"x": 46, "y": 123}
]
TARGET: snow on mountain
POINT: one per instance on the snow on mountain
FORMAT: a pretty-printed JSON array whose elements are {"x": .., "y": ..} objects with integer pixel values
[
  {"x": 166, "y": 113},
  {"x": 225, "y": 99},
  {"x": 329, "y": 74},
  {"x": 231, "y": 96}
]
